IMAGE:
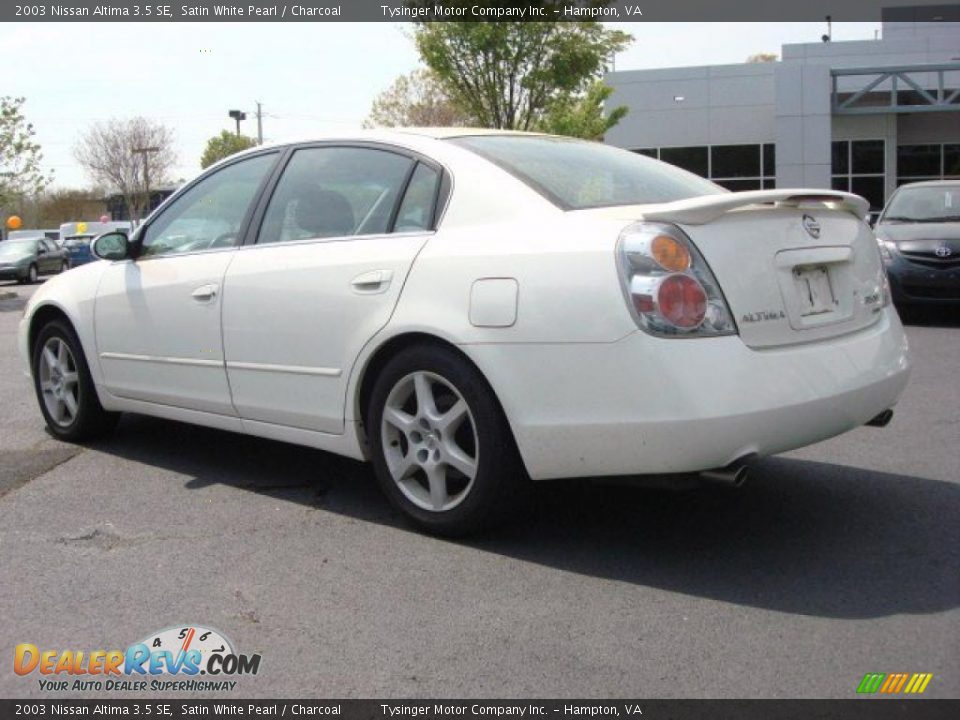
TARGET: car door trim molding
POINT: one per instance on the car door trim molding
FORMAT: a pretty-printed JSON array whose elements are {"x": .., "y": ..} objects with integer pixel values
[
  {"x": 162, "y": 360},
  {"x": 288, "y": 369}
]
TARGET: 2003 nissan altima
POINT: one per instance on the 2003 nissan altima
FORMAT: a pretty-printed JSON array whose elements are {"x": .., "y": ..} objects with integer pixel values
[{"x": 469, "y": 309}]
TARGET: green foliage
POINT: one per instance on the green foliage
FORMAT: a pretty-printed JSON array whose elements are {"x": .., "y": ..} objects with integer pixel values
[
  {"x": 224, "y": 145},
  {"x": 20, "y": 155},
  {"x": 582, "y": 116},
  {"x": 510, "y": 74}
]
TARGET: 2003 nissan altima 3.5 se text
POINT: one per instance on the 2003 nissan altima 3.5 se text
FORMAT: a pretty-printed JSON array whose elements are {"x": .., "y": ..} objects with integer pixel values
[{"x": 472, "y": 309}]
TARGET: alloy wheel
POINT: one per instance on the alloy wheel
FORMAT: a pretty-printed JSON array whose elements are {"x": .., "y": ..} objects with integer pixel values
[
  {"x": 430, "y": 441},
  {"x": 59, "y": 381}
]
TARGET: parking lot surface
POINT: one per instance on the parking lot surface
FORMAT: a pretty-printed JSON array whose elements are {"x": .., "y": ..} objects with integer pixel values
[{"x": 831, "y": 562}]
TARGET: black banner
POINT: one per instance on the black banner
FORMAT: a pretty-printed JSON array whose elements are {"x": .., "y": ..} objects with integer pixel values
[
  {"x": 478, "y": 10},
  {"x": 859, "y": 709}
]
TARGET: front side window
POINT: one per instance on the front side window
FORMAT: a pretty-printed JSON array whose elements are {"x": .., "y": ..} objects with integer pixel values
[
  {"x": 575, "y": 175},
  {"x": 210, "y": 214},
  {"x": 335, "y": 192}
]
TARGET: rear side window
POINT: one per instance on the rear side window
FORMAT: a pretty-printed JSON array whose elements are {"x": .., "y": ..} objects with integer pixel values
[
  {"x": 575, "y": 174},
  {"x": 335, "y": 192},
  {"x": 419, "y": 202}
]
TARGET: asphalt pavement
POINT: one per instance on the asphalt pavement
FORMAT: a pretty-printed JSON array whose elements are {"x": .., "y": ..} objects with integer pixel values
[{"x": 831, "y": 562}]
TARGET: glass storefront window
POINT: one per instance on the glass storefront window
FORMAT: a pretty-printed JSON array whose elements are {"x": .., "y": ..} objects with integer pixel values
[{"x": 693, "y": 159}]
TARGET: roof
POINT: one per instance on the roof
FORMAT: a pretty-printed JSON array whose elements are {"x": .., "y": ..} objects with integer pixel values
[
  {"x": 932, "y": 183},
  {"x": 441, "y": 133}
]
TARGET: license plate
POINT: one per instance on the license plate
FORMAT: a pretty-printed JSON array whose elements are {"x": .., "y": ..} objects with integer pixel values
[{"x": 815, "y": 290}]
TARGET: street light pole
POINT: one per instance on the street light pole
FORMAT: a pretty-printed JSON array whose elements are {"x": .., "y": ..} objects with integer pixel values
[
  {"x": 259, "y": 123},
  {"x": 145, "y": 151},
  {"x": 238, "y": 115}
]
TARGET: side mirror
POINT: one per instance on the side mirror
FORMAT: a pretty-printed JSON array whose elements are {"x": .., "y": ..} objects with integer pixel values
[
  {"x": 41, "y": 250},
  {"x": 111, "y": 246},
  {"x": 872, "y": 219}
]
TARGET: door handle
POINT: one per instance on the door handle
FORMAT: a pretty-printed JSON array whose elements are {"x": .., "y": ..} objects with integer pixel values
[
  {"x": 372, "y": 282},
  {"x": 204, "y": 293}
]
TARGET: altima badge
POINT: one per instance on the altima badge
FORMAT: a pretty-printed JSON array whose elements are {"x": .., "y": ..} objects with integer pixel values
[{"x": 811, "y": 225}]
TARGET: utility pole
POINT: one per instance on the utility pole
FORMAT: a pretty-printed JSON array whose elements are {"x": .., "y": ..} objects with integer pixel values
[
  {"x": 259, "y": 123},
  {"x": 145, "y": 151}
]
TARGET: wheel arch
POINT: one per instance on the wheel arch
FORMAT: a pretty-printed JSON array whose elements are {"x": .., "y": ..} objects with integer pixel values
[
  {"x": 381, "y": 353},
  {"x": 44, "y": 314}
]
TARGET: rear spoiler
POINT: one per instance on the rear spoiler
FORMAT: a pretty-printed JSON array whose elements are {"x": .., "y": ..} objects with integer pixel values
[{"x": 706, "y": 208}]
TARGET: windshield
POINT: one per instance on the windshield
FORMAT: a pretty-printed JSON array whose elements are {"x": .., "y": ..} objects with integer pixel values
[
  {"x": 18, "y": 247},
  {"x": 928, "y": 203},
  {"x": 575, "y": 174}
]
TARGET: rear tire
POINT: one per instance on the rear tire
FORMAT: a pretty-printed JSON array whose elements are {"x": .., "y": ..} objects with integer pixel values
[
  {"x": 64, "y": 386},
  {"x": 442, "y": 450}
]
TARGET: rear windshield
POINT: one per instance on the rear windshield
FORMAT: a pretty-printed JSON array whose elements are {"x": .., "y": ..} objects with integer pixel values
[{"x": 575, "y": 174}]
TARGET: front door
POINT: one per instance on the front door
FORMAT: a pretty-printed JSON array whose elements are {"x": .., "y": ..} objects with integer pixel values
[
  {"x": 158, "y": 316},
  {"x": 337, "y": 239}
]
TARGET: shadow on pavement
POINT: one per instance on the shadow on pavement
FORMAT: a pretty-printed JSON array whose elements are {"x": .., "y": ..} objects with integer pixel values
[{"x": 800, "y": 537}]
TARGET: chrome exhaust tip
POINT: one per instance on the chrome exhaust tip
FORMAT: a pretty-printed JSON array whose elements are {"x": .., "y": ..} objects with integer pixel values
[
  {"x": 881, "y": 420},
  {"x": 733, "y": 475}
]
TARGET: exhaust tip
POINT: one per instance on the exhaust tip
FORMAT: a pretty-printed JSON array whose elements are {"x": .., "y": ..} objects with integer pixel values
[
  {"x": 733, "y": 475},
  {"x": 881, "y": 420}
]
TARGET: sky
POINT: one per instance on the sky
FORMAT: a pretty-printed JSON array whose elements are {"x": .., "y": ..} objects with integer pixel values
[{"x": 312, "y": 78}]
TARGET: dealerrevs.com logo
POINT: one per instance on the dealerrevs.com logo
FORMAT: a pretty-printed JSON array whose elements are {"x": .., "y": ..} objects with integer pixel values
[{"x": 168, "y": 660}]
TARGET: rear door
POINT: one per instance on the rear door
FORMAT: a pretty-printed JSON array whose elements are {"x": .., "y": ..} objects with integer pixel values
[{"x": 336, "y": 239}]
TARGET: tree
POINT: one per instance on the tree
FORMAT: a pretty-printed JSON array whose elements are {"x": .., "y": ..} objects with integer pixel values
[
  {"x": 582, "y": 116},
  {"x": 59, "y": 206},
  {"x": 20, "y": 155},
  {"x": 763, "y": 57},
  {"x": 509, "y": 74},
  {"x": 112, "y": 153},
  {"x": 416, "y": 99},
  {"x": 224, "y": 145}
]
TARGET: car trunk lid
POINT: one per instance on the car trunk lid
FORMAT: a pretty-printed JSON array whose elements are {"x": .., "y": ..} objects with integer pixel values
[{"x": 795, "y": 266}]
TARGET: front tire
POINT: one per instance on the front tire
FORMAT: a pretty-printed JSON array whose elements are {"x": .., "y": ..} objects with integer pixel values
[
  {"x": 64, "y": 266},
  {"x": 442, "y": 450},
  {"x": 64, "y": 386}
]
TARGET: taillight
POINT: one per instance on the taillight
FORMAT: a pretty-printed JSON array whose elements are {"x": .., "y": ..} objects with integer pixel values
[{"x": 671, "y": 290}]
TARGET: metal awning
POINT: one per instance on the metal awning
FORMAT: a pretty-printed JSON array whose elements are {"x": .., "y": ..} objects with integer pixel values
[{"x": 900, "y": 89}]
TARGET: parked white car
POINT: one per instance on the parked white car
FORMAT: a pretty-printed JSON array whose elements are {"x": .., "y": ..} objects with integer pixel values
[{"x": 470, "y": 309}]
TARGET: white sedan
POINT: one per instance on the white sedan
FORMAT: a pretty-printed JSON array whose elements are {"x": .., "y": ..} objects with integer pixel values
[{"x": 469, "y": 310}]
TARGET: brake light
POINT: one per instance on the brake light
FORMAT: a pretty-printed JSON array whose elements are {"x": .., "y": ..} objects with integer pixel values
[
  {"x": 682, "y": 301},
  {"x": 671, "y": 289}
]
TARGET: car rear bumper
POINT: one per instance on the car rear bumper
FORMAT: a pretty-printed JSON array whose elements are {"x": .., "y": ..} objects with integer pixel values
[{"x": 648, "y": 405}]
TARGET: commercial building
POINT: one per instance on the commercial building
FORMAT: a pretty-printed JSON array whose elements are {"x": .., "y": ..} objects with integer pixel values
[{"x": 864, "y": 116}]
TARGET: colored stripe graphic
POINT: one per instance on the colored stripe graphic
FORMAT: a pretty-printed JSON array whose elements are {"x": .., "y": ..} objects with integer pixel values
[
  {"x": 918, "y": 683},
  {"x": 894, "y": 683},
  {"x": 870, "y": 683}
]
